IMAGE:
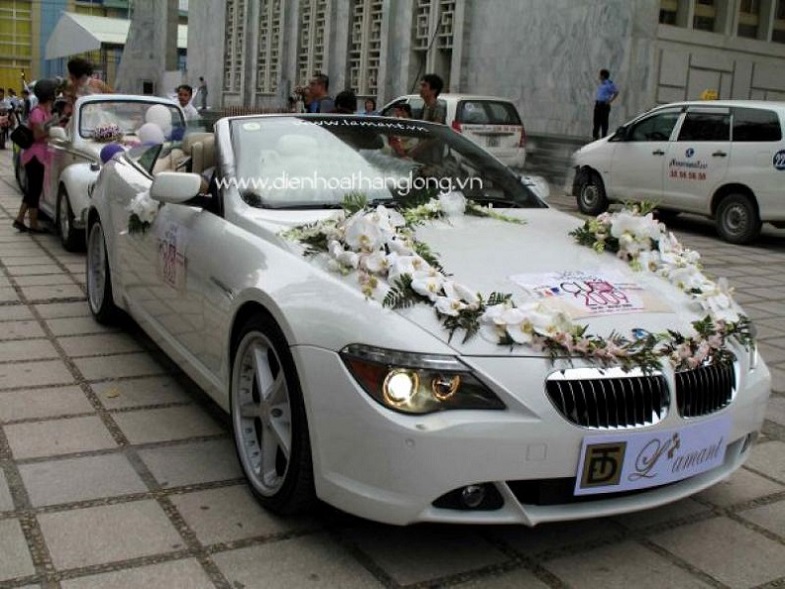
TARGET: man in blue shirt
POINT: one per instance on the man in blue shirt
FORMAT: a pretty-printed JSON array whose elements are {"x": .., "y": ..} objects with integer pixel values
[
  {"x": 606, "y": 93},
  {"x": 317, "y": 97}
]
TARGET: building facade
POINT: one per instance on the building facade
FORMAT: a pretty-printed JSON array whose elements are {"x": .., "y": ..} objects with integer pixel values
[{"x": 543, "y": 54}]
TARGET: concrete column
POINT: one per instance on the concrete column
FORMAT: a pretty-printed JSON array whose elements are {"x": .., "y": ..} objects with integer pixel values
[{"x": 150, "y": 50}]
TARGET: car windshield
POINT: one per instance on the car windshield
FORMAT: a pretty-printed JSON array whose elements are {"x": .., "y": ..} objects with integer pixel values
[
  {"x": 313, "y": 162},
  {"x": 128, "y": 116}
]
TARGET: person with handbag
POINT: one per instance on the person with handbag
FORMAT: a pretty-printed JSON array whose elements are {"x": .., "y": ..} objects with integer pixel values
[{"x": 36, "y": 157}]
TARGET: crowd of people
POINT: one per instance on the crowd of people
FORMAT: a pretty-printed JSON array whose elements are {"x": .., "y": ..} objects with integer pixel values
[
  {"x": 315, "y": 98},
  {"x": 50, "y": 102}
]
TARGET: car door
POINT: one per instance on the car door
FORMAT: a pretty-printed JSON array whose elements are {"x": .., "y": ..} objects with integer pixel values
[
  {"x": 637, "y": 169},
  {"x": 697, "y": 162},
  {"x": 61, "y": 155}
]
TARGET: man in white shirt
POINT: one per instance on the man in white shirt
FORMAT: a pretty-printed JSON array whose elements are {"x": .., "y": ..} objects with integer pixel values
[{"x": 184, "y": 95}]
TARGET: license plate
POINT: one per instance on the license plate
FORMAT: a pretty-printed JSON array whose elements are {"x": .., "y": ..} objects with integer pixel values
[
  {"x": 493, "y": 142},
  {"x": 626, "y": 462}
]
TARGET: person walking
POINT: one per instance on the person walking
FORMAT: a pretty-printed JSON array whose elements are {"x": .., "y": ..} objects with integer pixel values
[
  {"x": 35, "y": 157},
  {"x": 202, "y": 90},
  {"x": 606, "y": 93}
]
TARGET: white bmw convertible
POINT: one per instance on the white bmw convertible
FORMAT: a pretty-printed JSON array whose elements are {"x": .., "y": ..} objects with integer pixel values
[{"x": 399, "y": 327}]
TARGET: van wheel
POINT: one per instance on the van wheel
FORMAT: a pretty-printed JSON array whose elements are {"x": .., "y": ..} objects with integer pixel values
[
  {"x": 591, "y": 195},
  {"x": 737, "y": 219}
]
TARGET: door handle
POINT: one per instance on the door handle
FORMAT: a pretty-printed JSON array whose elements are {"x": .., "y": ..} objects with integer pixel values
[
  {"x": 719, "y": 154},
  {"x": 658, "y": 152}
]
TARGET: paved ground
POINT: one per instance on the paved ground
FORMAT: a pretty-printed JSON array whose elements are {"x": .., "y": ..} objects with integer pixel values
[{"x": 115, "y": 471}]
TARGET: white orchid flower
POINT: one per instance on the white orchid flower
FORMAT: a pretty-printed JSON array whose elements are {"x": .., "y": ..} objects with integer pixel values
[
  {"x": 459, "y": 291},
  {"x": 427, "y": 284},
  {"x": 449, "y": 306},
  {"x": 362, "y": 234},
  {"x": 399, "y": 245},
  {"x": 350, "y": 259},
  {"x": 407, "y": 265},
  {"x": 376, "y": 263}
]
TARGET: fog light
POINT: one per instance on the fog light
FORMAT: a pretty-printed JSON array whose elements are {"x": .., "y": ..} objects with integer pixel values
[
  {"x": 400, "y": 386},
  {"x": 473, "y": 496}
]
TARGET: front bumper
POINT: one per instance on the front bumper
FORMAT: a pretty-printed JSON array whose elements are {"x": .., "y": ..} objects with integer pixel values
[{"x": 389, "y": 467}]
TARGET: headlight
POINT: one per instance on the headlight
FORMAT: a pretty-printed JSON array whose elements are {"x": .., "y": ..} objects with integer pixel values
[{"x": 415, "y": 383}]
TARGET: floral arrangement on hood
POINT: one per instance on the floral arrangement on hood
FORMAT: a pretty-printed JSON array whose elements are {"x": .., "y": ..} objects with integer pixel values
[
  {"x": 107, "y": 132},
  {"x": 379, "y": 248}
]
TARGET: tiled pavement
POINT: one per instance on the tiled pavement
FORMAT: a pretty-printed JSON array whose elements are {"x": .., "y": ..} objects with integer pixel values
[{"x": 115, "y": 471}]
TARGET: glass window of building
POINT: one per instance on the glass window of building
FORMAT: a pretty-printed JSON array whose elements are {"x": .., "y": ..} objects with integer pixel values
[
  {"x": 669, "y": 10},
  {"x": 749, "y": 18},
  {"x": 705, "y": 15},
  {"x": 778, "y": 28}
]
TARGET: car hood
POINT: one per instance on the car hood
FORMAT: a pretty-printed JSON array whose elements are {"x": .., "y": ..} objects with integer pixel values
[
  {"x": 526, "y": 261},
  {"x": 594, "y": 146},
  {"x": 540, "y": 259}
]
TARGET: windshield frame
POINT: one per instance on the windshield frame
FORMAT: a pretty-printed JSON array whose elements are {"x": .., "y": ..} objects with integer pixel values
[
  {"x": 87, "y": 135},
  {"x": 514, "y": 192}
]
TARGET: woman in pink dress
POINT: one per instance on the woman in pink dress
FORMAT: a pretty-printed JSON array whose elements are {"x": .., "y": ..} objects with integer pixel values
[{"x": 36, "y": 157}]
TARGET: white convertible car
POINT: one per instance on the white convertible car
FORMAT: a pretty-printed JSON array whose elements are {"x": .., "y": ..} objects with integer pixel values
[
  {"x": 75, "y": 152},
  {"x": 400, "y": 328}
]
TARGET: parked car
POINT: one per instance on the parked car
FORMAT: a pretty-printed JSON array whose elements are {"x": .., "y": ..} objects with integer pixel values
[
  {"x": 721, "y": 159},
  {"x": 323, "y": 291},
  {"x": 75, "y": 151},
  {"x": 494, "y": 123}
]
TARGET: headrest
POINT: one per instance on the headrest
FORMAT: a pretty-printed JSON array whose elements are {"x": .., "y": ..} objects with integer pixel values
[
  {"x": 191, "y": 138},
  {"x": 203, "y": 154}
]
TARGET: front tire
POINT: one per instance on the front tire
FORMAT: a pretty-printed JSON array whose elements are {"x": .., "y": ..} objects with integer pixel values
[
  {"x": 99, "y": 278},
  {"x": 592, "y": 199},
  {"x": 737, "y": 219},
  {"x": 69, "y": 237},
  {"x": 268, "y": 419}
]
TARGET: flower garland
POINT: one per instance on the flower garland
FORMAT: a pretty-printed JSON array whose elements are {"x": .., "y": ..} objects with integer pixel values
[{"x": 378, "y": 245}]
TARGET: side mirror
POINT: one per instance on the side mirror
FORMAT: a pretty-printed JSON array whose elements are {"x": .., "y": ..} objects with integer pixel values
[
  {"x": 58, "y": 134},
  {"x": 620, "y": 133},
  {"x": 175, "y": 187}
]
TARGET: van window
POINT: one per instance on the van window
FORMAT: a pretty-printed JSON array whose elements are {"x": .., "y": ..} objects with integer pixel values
[
  {"x": 657, "y": 127},
  {"x": 486, "y": 112},
  {"x": 755, "y": 124},
  {"x": 704, "y": 126}
]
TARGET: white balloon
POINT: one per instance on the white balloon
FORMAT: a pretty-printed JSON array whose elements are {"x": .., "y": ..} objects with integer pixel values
[
  {"x": 161, "y": 116},
  {"x": 150, "y": 133}
]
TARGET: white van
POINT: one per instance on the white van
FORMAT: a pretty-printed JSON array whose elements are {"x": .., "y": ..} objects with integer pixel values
[
  {"x": 491, "y": 122},
  {"x": 722, "y": 159}
]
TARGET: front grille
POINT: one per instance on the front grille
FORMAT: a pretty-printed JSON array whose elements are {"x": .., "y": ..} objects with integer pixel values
[
  {"x": 705, "y": 389},
  {"x": 608, "y": 398}
]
